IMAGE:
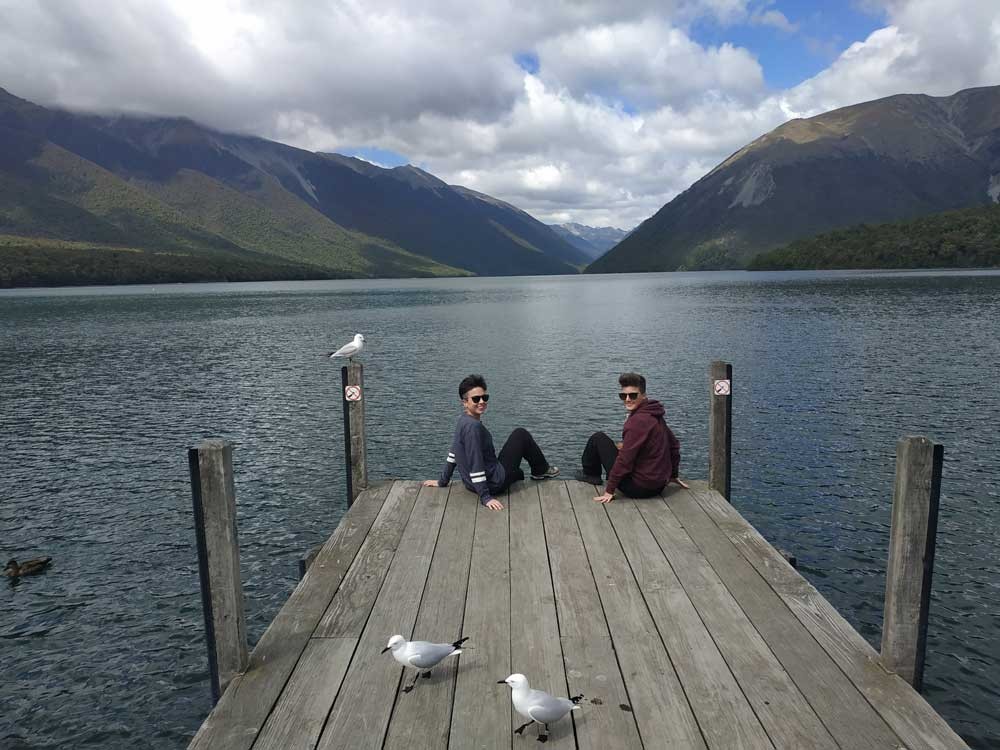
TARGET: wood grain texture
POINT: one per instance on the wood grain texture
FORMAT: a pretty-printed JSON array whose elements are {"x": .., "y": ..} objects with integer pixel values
[
  {"x": 360, "y": 715},
  {"x": 422, "y": 717},
  {"x": 720, "y": 431},
  {"x": 916, "y": 723},
  {"x": 481, "y": 712},
  {"x": 659, "y": 702},
  {"x": 359, "y": 437},
  {"x": 244, "y": 707}
]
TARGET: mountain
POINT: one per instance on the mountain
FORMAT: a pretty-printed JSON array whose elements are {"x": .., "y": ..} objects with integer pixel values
[
  {"x": 592, "y": 241},
  {"x": 887, "y": 160},
  {"x": 968, "y": 238},
  {"x": 174, "y": 187}
]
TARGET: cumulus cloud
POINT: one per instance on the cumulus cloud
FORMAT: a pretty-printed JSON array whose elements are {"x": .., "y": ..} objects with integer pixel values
[{"x": 619, "y": 109}]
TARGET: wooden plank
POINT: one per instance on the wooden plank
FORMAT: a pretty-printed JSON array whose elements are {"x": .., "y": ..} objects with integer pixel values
[
  {"x": 843, "y": 710},
  {"x": 301, "y": 711},
  {"x": 481, "y": 713},
  {"x": 244, "y": 707},
  {"x": 361, "y": 712},
  {"x": 912, "y": 541},
  {"x": 214, "y": 498},
  {"x": 659, "y": 703},
  {"x": 910, "y": 716},
  {"x": 723, "y": 711},
  {"x": 690, "y": 582},
  {"x": 349, "y": 610},
  {"x": 588, "y": 651},
  {"x": 534, "y": 630},
  {"x": 422, "y": 718}
]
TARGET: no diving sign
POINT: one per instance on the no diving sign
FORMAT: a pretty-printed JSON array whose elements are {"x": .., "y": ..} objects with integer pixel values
[
  {"x": 722, "y": 387},
  {"x": 352, "y": 393}
]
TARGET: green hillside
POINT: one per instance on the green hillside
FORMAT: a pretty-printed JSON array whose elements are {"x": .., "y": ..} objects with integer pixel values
[
  {"x": 26, "y": 261},
  {"x": 969, "y": 238},
  {"x": 271, "y": 220}
]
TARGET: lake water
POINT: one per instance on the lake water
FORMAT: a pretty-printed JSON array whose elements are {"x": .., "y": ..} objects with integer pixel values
[{"x": 103, "y": 389}]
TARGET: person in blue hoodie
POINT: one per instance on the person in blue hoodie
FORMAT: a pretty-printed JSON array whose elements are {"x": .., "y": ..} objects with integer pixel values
[{"x": 481, "y": 469}]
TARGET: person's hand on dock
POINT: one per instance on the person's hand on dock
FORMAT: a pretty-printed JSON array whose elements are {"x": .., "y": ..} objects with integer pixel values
[
  {"x": 430, "y": 483},
  {"x": 677, "y": 481},
  {"x": 494, "y": 504},
  {"x": 607, "y": 497}
]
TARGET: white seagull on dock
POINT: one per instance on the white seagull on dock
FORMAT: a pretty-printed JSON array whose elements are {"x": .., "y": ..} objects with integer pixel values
[
  {"x": 537, "y": 705},
  {"x": 421, "y": 654},
  {"x": 351, "y": 350}
]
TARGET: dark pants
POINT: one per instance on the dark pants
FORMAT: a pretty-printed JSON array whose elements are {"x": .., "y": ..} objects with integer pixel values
[
  {"x": 601, "y": 452},
  {"x": 520, "y": 446}
]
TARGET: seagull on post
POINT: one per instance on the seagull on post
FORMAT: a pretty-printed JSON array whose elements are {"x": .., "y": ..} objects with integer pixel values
[
  {"x": 350, "y": 350},
  {"x": 538, "y": 706}
]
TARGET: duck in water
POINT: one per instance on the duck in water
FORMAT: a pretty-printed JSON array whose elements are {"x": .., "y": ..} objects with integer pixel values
[{"x": 27, "y": 568}]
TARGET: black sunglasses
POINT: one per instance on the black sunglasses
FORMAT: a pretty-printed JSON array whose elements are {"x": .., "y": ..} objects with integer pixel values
[
  {"x": 476, "y": 399},
  {"x": 629, "y": 396}
]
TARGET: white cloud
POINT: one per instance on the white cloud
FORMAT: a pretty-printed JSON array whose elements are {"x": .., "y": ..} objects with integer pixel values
[{"x": 625, "y": 110}]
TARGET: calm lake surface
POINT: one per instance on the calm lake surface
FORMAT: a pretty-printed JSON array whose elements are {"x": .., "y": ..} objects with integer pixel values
[{"x": 103, "y": 389}]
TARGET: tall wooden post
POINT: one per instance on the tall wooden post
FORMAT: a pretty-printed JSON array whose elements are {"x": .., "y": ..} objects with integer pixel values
[
  {"x": 720, "y": 421},
  {"x": 214, "y": 496},
  {"x": 352, "y": 377},
  {"x": 911, "y": 557}
]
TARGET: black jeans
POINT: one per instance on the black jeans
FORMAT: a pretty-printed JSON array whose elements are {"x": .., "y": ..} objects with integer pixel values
[
  {"x": 601, "y": 452},
  {"x": 520, "y": 446}
]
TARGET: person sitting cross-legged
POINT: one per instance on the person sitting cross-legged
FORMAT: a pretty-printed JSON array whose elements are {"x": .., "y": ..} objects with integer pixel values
[
  {"x": 649, "y": 456},
  {"x": 481, "y": 470}
]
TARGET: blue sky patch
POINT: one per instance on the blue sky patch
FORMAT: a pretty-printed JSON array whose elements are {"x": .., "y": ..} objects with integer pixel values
[{"x": 377, "y": 156}]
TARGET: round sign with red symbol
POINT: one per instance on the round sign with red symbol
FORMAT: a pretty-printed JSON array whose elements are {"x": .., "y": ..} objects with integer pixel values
[
  {"x": 352, "y": 393},
  {"x": 723, "y": 387}
]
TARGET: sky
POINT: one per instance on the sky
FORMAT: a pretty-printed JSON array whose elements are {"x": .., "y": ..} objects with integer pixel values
[{"x": 593, "y": 111}]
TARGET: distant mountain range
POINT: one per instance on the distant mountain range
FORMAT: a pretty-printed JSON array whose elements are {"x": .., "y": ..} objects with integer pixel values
[
  {"x": 72, "y": 183},
  {"x": 882, "y": 161},
  {"x": 592, "y": 241}
]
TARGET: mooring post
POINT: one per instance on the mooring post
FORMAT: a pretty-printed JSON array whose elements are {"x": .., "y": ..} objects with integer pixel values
[
  {"x": 352, "y": 377},
  {"x": 214, "y": 496},
  {"x": 720, "y": 421},
  {"x": 912, "y": 540}
]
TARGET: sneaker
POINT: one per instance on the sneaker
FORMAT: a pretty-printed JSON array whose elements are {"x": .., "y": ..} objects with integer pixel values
[
  {"x": 588, "y": 478},
  {"x": 550, "y": 472}
]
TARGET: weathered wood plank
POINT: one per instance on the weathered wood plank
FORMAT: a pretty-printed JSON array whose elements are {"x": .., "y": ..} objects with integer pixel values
[
  {"x": 481, "y": 712},
  {"x": 361, "y": 712},
  {"x": 723, "y": 712},
  {"x": 347, "y": 613},
  {"x": 299, "y": 715},
  {"x": 912, "y": 541},
  {"x": 844, "y": 711},
  {"x": 779, "y": 706},
  {"x": 422, "y": 717},
  {"x": 588, "y": 652},
  {"x": 910, "y": 716},
  {"x": 534, "y": 630},
  {"x": 657, "y": 698},
  {"x": 214, "y": 498},
  {"x": 244, "y": 707}
]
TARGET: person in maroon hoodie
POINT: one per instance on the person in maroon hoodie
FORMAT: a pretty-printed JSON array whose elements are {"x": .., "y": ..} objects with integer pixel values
[{"x": 649, "y": 456}]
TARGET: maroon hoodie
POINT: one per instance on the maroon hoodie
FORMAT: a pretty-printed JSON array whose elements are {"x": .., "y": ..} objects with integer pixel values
[{"x": 650, "y": 452}]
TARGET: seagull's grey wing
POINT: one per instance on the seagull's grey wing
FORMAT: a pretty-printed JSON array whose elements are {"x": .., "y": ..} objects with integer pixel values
[
  {"x": 347, "y": 350},
  {"x": 546, "y": 708},
  {"x": 426, "y": 655}
]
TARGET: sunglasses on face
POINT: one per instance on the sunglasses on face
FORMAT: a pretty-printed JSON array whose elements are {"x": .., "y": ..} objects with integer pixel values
[
  {"x": 629, "y": 396},
  {"x": 484, "y": 398}
]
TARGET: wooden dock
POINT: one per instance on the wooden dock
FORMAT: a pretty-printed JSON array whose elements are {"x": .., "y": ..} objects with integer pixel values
[{"x": 679, "y": 623}]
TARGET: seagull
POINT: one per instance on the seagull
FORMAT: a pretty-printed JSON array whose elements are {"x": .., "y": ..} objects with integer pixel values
[
  {"x": 537, "y": 705},
  {"x": 350, "y": 350},
  {"x": 421, "y": 654}
]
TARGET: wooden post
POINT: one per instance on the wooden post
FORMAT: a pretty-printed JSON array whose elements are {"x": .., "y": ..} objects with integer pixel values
[
  {"x": 720, "y": 420},
  {"x": 211, "y": 466},
  {"x": 911, "y": 557},
  {"x": 352, "y": 376}
]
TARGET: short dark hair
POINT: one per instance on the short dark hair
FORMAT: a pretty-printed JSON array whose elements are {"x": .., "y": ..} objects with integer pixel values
[
  {"x": 632, "y": 379},
  {"x": 468, "y": 383}
]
